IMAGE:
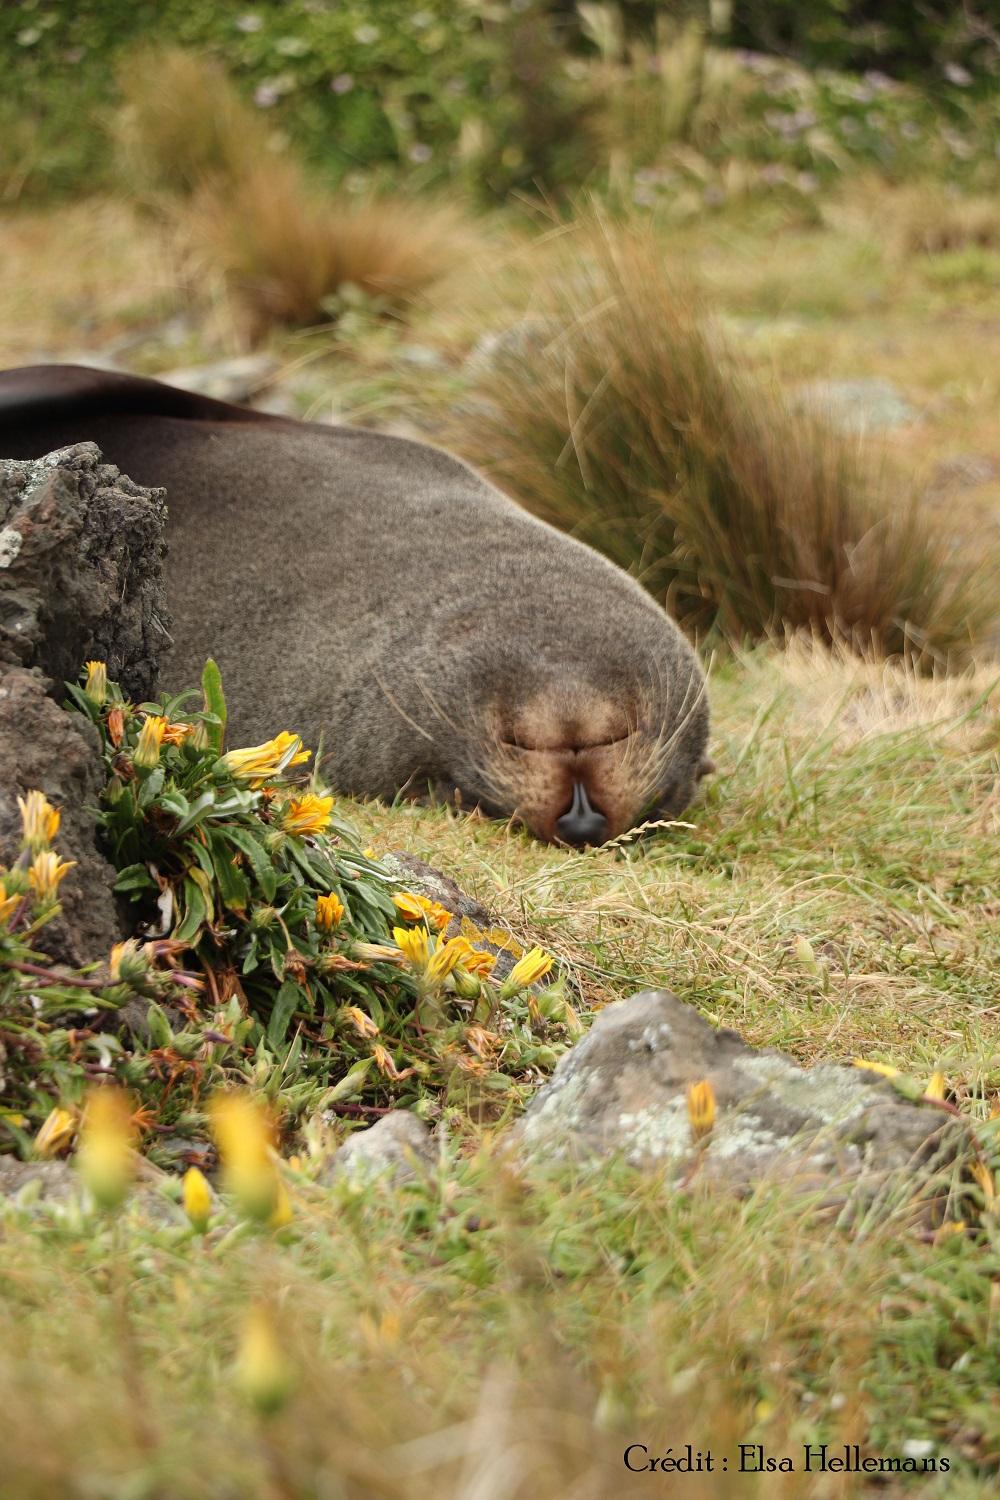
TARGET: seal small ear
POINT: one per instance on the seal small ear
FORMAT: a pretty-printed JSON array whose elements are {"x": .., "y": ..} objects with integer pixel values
[{"x": 706, "y": 767}]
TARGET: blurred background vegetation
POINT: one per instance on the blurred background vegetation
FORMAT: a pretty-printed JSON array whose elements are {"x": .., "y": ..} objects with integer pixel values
[{"x": 546, "y": 95}]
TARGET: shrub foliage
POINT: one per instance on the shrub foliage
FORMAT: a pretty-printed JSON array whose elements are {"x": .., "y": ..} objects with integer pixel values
[{"x": 269, "y": 948}]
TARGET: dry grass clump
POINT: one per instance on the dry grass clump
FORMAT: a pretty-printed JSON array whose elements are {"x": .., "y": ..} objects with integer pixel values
[
  {"x": 195, "y": 151},
  {"x": 182, "y": 124},
  {"x": 629, "y": 422},
  {"x": 287, "y": 250}
]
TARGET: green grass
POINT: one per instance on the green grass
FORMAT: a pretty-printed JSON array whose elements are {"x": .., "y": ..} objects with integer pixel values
[{"x": 516, "y": 1332}]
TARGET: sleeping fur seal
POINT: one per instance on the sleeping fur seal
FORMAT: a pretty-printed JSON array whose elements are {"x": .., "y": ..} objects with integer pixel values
[{"x": 378, "y": 595}]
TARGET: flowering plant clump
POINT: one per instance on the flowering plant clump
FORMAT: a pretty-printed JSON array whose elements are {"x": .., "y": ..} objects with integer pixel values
[{"x": 268, "y": 949}]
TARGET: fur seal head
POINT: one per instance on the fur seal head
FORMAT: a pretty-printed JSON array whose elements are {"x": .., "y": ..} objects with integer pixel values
[{"x": 378, "y": 595}]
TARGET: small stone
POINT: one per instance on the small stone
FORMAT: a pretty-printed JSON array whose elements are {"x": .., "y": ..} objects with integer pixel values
[
  {"x": 859, "y": 405},
  {"x": 622, "y": 1091},
  {"x": 56, "y": 1181},
  {"x": 398, "y": 1147},
  {"x": 227, "y": 380}
]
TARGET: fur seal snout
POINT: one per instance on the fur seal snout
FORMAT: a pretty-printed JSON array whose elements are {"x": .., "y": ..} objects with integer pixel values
[{"x": 378, "y": 596}]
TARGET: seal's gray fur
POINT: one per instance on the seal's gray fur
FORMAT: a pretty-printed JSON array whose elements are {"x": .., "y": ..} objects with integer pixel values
[{"x": 380, "y": 595}]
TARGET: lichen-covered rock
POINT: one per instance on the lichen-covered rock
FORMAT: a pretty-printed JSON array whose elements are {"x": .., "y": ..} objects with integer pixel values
[
  {"x": 80, "y": 558},
  {"x": 398, "y": 1147},
  {"x": 622, "y": 1090}
]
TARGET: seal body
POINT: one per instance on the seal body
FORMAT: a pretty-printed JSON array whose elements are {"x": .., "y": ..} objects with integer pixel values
[{"x": 384, "y": 601}]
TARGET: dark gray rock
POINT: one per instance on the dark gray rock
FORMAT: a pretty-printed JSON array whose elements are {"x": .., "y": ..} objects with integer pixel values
[
  {"x": 80, "y": 558},
  {"x": 622, "y": 1090},
  {"x": 81, "y": 549},
  {"x": 399, "y": 1148}
]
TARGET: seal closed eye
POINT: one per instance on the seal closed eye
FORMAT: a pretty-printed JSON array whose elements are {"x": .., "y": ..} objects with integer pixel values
[{"x": 378, "y": 594}]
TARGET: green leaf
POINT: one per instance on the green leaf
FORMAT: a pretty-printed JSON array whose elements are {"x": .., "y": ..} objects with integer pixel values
[
  {"x": 151, "y": 787},
  {"x": 260, "y": 863},
  {"x": 135, "y": 878},
  {"x": 234, "y": 887},
  {"x": 215, "y": 703},
  {"x": 160, "y": 1032},
  {"x": 196, "y": 813},
  {"x": 195, "y": 913},
  {"x": 285, "y": 1004}
]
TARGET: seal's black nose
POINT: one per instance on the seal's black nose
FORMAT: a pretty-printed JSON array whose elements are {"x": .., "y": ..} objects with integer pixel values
[{"x": 582, "y": 824}]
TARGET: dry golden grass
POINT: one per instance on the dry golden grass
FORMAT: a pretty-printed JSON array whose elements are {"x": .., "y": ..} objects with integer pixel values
[
  {"x": 287, "y": 250},
  {"x": 628, "y": 421},
  {"x": 181, "y": 124},
  {"x": 929, "y": 219},
  {"x": 193, "y": 149}
]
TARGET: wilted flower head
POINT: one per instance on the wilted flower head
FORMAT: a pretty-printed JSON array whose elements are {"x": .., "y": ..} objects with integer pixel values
[
  {"x": 329, "y": 911},
  {"x": 258, "y": 763},
  {"x": 701, "y": 1108},
  {"x": 147, "y": 750},
  {"x": 127, "y": 962},
  {"x": 106, "y": 1157},
  {"x": 116, "y": 725},
  {"x": 39, "y": 821},
  {"x": 46, "y": 872},
  {"x": 527, "y": 971},
  {"x": 360, "y": 1020},
  {"x": 56, "y": 1133},
  {"x": 96, "y": 686}
]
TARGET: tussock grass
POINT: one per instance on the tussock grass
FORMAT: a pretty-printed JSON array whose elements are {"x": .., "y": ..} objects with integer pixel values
[
  {"x": 629, "y": 421},
  {"x": 182, "y": 124},
  {"x": 195, "y": 151},
  {"x": 287, "y": 250}
]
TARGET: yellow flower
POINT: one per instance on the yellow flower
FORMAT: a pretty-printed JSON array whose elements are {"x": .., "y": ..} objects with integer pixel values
[
  {"x": 47, "y": 870},
  {"x": 8, "y": 904},
  {"x": 56, "y": 1132},
  {"x": 177, "y": 732},
  {"x": 984, "y": 1177},
  {"x": 306, "y": 814},
  {"x": 282, "y": 1213},
  {"x": 329, "y": 911},
  {"x": 936, "y": 1087},
  {"x": 197, "y": 1197},
  {"x": 262, "y": 1372},
  {"x": 244, "y": 1136},
  {"x": 443, "y": 960},
  {"x": 96, "y": 686},
  {"x": 701, "y": 1108},
  {"x": 147, "y": 750},
  {"x": 106, "y": 1157},
  {"x": 527, "y": 971},
  {"x": 413, "y": 943},
  {"x": 948, "y": 1229},
  {"x": 884, "y": 1070},
  {"x": 420, "y": 909},
  {"x": 474, "y": 959},
  {"x": 258, "y": 763},
  {"x": 39, "y": 821}
]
